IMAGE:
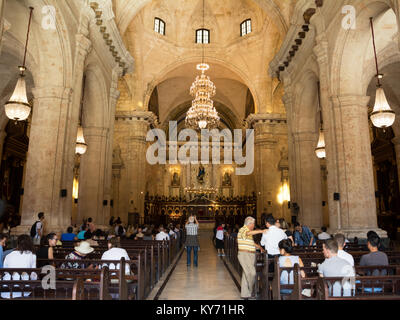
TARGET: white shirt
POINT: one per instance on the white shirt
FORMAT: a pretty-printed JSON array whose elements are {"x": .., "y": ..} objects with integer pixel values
[
  {"x": 15, "y": 259},
  {"x": 116, "y": 254},
  {"x": 220, "y": 234},
  {"x": 346, "y": 256},
  {"x": 162, "y": 236},
  {"x": 324, "y": 236},
  {"x": 270, "y": 240}
]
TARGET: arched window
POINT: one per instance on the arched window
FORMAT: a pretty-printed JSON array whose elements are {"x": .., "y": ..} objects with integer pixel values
[
  {"x": 245, "y": 27},
  {"x": 159, "y": 26},
  {"x": 202, "y": 36}
]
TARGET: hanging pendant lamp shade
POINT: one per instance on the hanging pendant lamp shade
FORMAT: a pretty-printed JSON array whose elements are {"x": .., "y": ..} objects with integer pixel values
[
  {"x": 18, "y": 108},
  {"x": 81, "y": 145},
  {"x": 320, "y": 149},
  {"x": 382, "y": 116}
]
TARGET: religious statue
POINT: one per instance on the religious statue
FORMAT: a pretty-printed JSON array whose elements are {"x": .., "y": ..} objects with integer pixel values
[
  {"x": 201, "y": 175},
  {"x": 227, "y": 181},
  {"x": 175, "y": 179}
]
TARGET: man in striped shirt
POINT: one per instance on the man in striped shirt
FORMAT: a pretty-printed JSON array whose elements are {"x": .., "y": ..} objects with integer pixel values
[
  {"x": 246, "y": 256},
  {"x": 192, "y": 242}
]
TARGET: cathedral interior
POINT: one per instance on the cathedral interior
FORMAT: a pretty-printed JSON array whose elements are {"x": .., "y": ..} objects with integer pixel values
[{"x": 99, "y": 74}]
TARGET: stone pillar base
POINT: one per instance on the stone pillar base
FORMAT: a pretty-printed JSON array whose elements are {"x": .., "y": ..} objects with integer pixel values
[
  {"x": 360, "y": 233},
  {"x": 25, "y": 229}
]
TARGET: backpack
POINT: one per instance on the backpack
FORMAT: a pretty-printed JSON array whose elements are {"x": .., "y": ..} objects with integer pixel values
[{"x": 33, "y": 229}]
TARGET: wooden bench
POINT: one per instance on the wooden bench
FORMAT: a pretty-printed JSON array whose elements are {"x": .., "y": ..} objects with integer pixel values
[
  {"x": 379, "y": 288},
  {"x": 75, "y": 289}
]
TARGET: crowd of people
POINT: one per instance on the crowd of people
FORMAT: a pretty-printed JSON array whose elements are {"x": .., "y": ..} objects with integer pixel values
[
  {"x": 36, "y": 249},
  {"x": 277, "y": 240}
]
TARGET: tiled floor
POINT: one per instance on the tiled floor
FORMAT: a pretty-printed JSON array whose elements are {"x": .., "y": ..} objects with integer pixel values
[{"x": 209, "y": 281}]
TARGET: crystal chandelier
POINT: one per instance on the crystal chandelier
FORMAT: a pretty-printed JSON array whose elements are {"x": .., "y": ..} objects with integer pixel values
[
  {"x": 382, "y": 116},
  {"x": 18, "y": 107},
  {"x": 202, "y": 113},
  {"x": 320, "y": 149}
]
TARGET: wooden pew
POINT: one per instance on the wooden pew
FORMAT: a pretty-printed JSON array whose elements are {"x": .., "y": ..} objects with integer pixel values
[
  {"x": 75, "y": 289},
  {"x": 310, "y": 281},
  {"x": 389, "y": 288}
]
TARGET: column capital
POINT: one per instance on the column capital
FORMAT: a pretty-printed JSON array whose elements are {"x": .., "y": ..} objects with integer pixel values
[
  {"x": 137, "y": 115},
  {"x": 255, "y": 119}
]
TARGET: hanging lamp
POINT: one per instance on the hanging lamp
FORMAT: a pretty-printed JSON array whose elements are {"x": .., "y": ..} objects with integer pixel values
[
  {"x": 382, "y": 116},
  {"x": 202, "y": 114},
  {"x": 81, "y": 146},
  {"x": 320, "y": 150},
  {"x": 18, "y": 107}
]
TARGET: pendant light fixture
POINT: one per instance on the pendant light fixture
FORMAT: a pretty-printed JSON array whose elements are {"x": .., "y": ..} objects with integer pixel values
[
  {"x": 320, "y": 150},
  {"x": 18, "y": 107},
  {"x": 81, "y": 146},
  {"x": 202, "y": 114},
  {"x": 382, "y": 116}
]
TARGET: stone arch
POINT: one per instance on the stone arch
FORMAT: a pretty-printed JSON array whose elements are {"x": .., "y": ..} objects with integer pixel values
[
  {"x": 163, "y": 73},
  {"x": 351, "y": 46}
]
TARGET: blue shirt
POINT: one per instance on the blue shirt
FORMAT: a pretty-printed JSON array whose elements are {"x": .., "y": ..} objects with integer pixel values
[
  {"x": 68, "y": 237},
  {"x": 81, "y": 235},
  {"x": 1, "y": 256},
  {"x": 304, "y": 238}
]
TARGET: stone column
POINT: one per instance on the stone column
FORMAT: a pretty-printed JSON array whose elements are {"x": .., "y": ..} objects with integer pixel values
[
  {"x": 114, "y": 95},
  {"x": 267, "y": 157},
  {"x": 308, "y": 170},
  {"x": 134, "y": 127},
  {"x": 92, "y": 176},
  {"x": 46, "y": 156},
  {"x": 356, "y": 181}
]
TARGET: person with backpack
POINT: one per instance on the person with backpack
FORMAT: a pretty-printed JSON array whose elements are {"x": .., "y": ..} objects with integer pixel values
[{"x": 37, "y": 229}]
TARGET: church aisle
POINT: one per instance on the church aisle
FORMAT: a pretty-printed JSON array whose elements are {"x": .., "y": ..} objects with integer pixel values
[{"x": 209, "y": 281}]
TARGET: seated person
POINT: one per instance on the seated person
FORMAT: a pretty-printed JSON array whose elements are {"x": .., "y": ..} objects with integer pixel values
[
  {"x": 46, "y": 251},
  {"x": 333, "y": 266},
  {"x": 81, "y": 234},
  {"x": 21, "y": 257},
  {"x": 69, "y": 236},
  {"x": 115, "y": 252},
  {"x": 303, "y": 236},
  {"x": 139, "y": 235},
  {"x": 340, "y": 239},
  {"x": 80, "y": 252},
  {"x": 324, "y": 235},
  {"x": 374, "y": 257},
  {"x": 286, "y": 260},
  {"x": 148, "y": 235},
  {"x": 162, "y": 236},
  {"x": 88, "y": 238}
]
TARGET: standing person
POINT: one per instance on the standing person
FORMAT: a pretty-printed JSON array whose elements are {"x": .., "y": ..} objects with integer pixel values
[
  {"x": 246, "y": 256},
  {"x": 303, "y": 236},
  {"x": 270, "y": 240},
  {"x": 162, "y": 235},
  {"x": 219, "y": 239},
  {"x": 192, "y": 242},
  {"x": 37, "y": 229}
]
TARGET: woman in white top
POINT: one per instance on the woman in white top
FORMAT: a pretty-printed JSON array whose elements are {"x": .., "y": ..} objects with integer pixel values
[
  {"x": 286, "y": 260},
  {"x": 21, "y": 257}
]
